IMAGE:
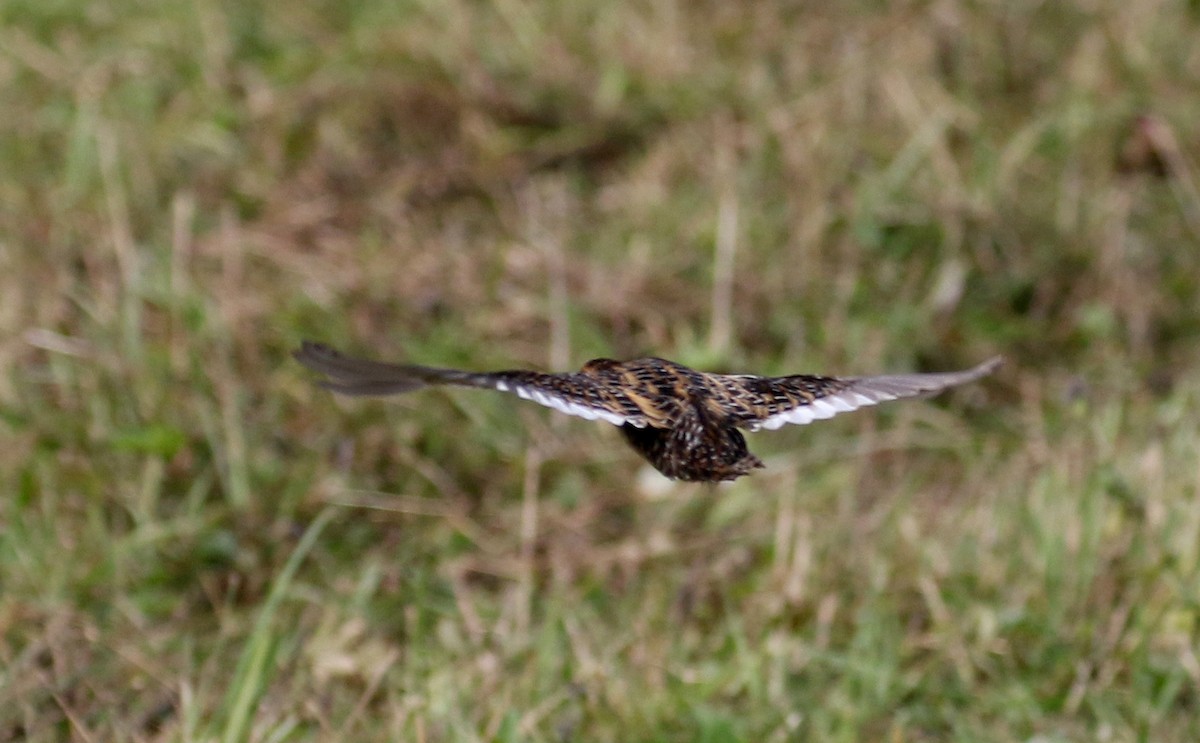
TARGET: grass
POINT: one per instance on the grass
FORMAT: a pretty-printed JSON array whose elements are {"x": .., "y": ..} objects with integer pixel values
[{"x": 196, "y": 544}]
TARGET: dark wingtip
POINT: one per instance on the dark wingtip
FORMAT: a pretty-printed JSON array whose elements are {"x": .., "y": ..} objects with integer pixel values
[
  {"x": 357, "y": 377},
  {"x": 304, "y": 349},
  {"x": 311, "y": 352},
  {"x": 302, "y": 352},
  {"x": 307, "y": 347}
]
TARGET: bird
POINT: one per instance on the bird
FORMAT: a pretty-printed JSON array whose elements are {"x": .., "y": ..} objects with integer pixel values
[{"x": 686, "y": 423}]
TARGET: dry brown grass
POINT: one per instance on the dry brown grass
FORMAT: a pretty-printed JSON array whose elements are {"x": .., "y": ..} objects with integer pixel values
[{"x": 197, "y": 544}]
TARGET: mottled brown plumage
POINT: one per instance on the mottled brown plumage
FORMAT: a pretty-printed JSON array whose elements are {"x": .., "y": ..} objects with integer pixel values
[{"x": 684, "y": 422}]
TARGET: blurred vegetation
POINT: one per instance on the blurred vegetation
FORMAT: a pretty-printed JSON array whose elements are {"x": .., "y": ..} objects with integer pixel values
[{"x": 197, "y": 544}]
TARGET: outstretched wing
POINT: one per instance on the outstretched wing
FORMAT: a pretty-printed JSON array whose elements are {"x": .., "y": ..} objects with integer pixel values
[
  {"x": 772, "y": 402},
  {"x": 573, "y": 394}
]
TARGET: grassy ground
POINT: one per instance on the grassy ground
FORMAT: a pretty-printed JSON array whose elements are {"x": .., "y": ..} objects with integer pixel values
[{"x": 197, "y": 544}]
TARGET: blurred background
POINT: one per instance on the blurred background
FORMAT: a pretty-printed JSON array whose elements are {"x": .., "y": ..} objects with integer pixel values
[{"x": 198, "y": 544}]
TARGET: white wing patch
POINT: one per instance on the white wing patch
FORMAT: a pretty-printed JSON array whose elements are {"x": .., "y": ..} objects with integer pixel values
[
  {"x": 824, "y": 407},
  {"x": 864, "y": 391},
  {"x": 562, "y": 404}
]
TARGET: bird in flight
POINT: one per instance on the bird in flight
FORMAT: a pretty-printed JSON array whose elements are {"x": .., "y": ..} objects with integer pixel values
[{"x": 686, "y": 423}]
